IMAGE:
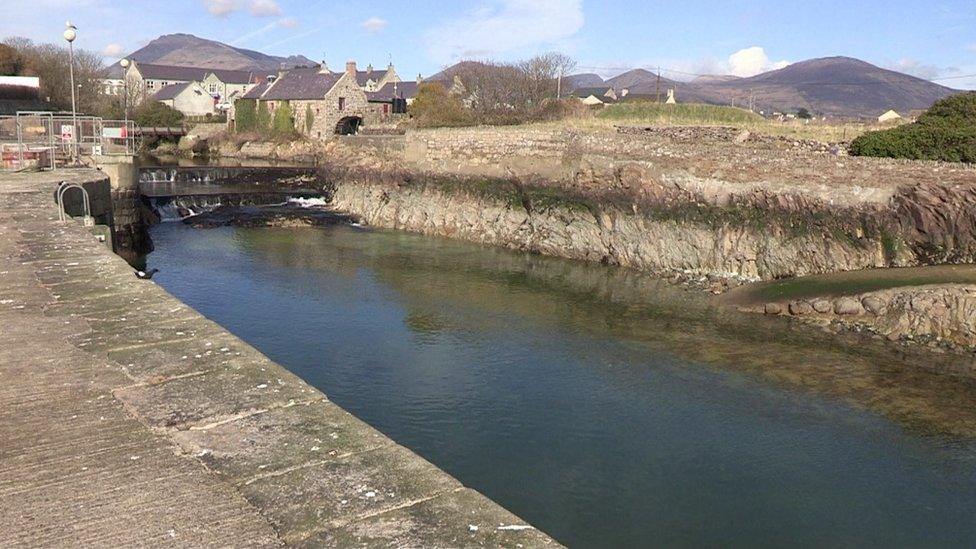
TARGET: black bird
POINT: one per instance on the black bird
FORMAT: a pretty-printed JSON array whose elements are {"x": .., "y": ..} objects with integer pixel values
[{"x": 146, "y": 275}]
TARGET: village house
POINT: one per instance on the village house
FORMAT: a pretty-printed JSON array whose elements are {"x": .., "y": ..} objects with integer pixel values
[
  {"x": 888, "y": 117},
  {"x": 190, "y": 98},
  {"x": 147, "y": 79},
  {"x": 392, "y": 99},
  {"x": 597, "y": 96},
  {"x": 322, "y": 103}
]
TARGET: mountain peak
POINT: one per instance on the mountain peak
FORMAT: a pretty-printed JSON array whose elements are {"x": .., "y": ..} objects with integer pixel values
[{"x": 187, "y": 50}]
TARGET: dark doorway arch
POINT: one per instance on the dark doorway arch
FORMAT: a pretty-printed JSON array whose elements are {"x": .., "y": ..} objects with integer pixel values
[{"x": 348, "y": 125}]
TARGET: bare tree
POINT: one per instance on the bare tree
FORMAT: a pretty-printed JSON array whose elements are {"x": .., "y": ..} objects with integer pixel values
[
  {"x": 50, "y": 62},
  {"x": 541, "y": 75}
]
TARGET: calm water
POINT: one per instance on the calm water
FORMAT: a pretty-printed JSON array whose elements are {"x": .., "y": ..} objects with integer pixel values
[{"x": 605, "y": 408}]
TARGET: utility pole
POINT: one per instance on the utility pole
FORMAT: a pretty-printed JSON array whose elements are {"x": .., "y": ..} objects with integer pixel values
[
  {"x": 657, "y": 86},
  {"x": 559, "y": 84}
]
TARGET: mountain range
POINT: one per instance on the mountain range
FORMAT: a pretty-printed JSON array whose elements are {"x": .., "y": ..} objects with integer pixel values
[
  {"x": 186, "y": 50},
  {"x": 831, "y": 86}
]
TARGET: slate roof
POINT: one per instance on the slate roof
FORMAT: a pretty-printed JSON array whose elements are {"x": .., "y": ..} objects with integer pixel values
[
  {"x": 302, "y": 84},
  {"x": 187, "y": 74},
  {"x": 170, "y": 92},
  {"x": 374, "y": 75},
  {"x": 401, "y": 90},
  {"x": 586, "y": 92},
  {"x": 256, "y": 91}
]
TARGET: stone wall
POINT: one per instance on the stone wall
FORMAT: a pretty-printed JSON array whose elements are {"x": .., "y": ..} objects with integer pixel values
[
  {"x": 601, "y": 230},
  {"x": 942, "y": 314}
]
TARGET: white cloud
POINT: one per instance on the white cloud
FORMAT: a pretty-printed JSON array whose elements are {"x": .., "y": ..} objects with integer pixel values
[
  {"x": 264, "y": 8},
  {"x": 504, "y": 26},
  {"x": 374, "y": 25},
  {"x": 752, "y": 61},
  {"x": 221, "y": 8},
  {"x": 112, "y": 50}
]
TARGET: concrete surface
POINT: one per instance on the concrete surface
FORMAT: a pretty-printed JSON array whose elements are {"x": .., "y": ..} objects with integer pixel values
[{"x": 127, "y": 419}]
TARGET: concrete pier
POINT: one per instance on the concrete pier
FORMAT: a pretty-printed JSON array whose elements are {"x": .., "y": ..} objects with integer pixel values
[{"x": 126, "y": 418}]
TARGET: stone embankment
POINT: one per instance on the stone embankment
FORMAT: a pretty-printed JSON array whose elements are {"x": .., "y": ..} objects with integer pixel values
[
  {"x": 128, "y": 419},
  {"x": 938, "y": 314},
  {"x": 712, "y": 208}
]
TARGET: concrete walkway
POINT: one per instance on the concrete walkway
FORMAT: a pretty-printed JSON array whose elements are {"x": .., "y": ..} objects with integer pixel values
[{"x": 126, "y": 419}]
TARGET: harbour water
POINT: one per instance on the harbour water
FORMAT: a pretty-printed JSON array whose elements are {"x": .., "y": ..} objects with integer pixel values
[{"x": 605, "y": 407}]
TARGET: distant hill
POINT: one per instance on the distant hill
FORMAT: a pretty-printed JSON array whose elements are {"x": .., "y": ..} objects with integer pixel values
[
  {"x": 832, "y": 86},
  {"x": 186, "y": 50},
  {"x": 838, "y": 86},
  {"x": 577, "y": 81}
]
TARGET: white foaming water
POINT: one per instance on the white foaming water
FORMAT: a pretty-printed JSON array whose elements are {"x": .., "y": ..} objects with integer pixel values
[{"x": 315, "y": 202}]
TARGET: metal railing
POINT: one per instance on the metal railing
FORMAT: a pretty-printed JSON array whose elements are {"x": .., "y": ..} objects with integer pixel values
[
  {"x": 50, "y": 140},
  {"x": 63, "y": 216}
]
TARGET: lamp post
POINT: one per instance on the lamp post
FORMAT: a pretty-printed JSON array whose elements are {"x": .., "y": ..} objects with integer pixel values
[
  {"x": 70, "y": 34},
  {"x": 124, "y": 63}
]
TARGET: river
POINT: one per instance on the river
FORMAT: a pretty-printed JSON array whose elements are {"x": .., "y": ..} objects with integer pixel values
[{"x": 605, "y": 407}]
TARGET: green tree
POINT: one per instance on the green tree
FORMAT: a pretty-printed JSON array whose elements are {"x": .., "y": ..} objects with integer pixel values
[
  {"x": 245, "y": 116},
  {"x": 309, "y": 119},
  {"x": 154, "y": 113},
  {"x": 434, "y": 107},
  {"x": 262, "y": 121},
  {"x": 283, "y": 125},
  {"x": 803, "y": 114}
]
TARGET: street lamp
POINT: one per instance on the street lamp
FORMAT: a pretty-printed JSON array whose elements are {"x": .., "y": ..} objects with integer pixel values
[
  {"x": 124, "y": 63},
  {"x": 70, "y": 33}
]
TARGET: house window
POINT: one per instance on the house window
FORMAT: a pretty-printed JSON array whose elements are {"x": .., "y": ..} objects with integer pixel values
[
  {"x": 213, "y": 88},
  {"x": 151, "y": 84},
  {"x": 342, "y": 103},
  {"x": 386, "y": 108}
]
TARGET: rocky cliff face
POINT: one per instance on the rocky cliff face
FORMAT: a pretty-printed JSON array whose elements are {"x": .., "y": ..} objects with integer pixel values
[{"x": 735, "y": 241}]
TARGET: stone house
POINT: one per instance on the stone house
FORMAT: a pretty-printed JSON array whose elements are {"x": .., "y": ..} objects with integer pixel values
[
  {"x": 335, "y": 102},
  {"x": 371, "y": 81},
  {"x": 190, "y": 98}
]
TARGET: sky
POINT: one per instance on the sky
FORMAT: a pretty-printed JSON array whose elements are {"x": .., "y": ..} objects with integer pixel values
[{"x": 935, "y": 39}]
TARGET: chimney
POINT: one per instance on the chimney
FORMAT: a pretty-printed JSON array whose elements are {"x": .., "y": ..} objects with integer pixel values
[
  {"x": 351, "y": 68},
  {"x": 369, "y": 69},
  {"x": 324, "y": 68},
  {"x": 420, "y": 79}
]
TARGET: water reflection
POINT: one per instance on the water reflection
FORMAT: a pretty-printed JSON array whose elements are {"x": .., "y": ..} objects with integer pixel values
[
  {"x": 484, "y": 287},
  {"x": 605, "y": 407}
]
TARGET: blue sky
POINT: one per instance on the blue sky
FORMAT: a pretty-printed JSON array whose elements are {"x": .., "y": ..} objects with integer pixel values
[{"x": 935, "y": 39}]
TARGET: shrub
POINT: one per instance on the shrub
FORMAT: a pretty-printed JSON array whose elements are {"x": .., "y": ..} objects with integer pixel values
[
  {"x": 283, "y": 125},
  {"x": 262, "y": 120},
  {"x": 435, "y": 107},
  {"x": 946, "y": 132},
  {"x": 245, "y": 116},
  {"x": 309, "y": 119},
  {"x": 154, "y": 113}
]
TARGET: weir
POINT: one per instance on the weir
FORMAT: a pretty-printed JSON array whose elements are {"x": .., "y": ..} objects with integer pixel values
[{"x": 127, "y": 403}]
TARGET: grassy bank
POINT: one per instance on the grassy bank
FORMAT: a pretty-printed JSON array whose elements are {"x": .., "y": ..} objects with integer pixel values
[{"x": 696, "y": 114}]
